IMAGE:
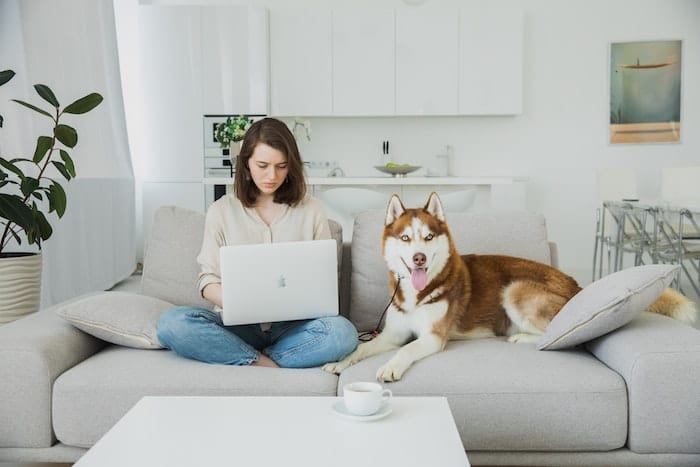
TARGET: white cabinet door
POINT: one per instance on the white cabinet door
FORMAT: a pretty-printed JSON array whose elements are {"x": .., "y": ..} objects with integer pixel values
[
  {"x": 491, "y": 61},
  {"x": 234, "y": 60},
  {"x": 301, "y": 62},
  {"x": 427, "y": 79},
  {"x": 363, "y": 62}
]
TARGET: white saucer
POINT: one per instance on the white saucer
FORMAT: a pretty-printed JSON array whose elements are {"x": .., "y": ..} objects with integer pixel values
[{"x": 340, "y": 409}]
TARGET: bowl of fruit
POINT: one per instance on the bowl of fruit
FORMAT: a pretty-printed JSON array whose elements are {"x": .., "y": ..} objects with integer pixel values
[{"x": 397, "y": 170}]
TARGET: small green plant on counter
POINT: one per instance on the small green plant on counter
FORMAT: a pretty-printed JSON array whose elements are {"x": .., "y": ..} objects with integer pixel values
[{"x": 232, "y": 130}]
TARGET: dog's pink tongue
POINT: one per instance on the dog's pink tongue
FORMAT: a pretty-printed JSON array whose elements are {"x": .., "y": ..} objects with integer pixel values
[{"x": 419, "y": 279}]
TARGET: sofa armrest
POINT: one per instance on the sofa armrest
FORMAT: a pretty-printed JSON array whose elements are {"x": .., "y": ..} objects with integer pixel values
[
  {"x": 659, "y": 358},
  {"x": 34, "y": 351}
]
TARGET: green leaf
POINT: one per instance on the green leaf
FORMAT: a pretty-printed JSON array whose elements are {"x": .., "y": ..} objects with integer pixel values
[
  {"x": 43, "y": 144},
  {"x": 61, "y": 168},
  {"x": 66, "y": 135},
  {"x": 47, "y": 94},
  {"x": 29, "y": 185},
  {"x": 8, "y": 165},
  {"x": 84, "y": 104},
  {"x": 13, "y": 209},
  {"x": 57, "y": 199},
  {"x": 45, "y": 229},
  {"x": 34, "y": 108},
  {"x": 70, "y": 167},
  {"x": 20, "y": 159},
  {"x": 16, "y": 237},
  {"x": 38, "y": 196},
  {"x": 5, "y": 76}
]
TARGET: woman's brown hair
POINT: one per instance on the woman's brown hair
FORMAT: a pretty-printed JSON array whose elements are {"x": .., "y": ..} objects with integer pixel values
[{"x": 275, "y": 134}]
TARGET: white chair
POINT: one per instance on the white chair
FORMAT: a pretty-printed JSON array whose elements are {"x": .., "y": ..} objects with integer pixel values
[
  {"x": 458, "y": 201},
  {"x": 455, "y": 201},
  {"x": 348, "y": 201}
]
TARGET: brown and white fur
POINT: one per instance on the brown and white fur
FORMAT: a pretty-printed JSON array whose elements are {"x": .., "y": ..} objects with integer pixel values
[{"x": 442, "y": 295}]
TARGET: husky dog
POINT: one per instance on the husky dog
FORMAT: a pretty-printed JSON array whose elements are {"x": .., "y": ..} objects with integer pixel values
[{"x": 440, "y": 295}]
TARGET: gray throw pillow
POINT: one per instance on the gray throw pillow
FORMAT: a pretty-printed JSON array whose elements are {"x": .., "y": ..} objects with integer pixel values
[
  {"x": 607, "y": 304},
  {"x": 121, "y": 318},
  {"x": 170, "y": 268}
]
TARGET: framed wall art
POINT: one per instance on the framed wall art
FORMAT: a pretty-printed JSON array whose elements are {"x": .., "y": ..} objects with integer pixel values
[{"x": 645, "y": 91}]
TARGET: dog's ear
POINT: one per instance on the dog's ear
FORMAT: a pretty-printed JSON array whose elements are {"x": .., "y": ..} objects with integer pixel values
[
  {"x": 434, "y": 206},
  {"x": 394, "y": 209}
]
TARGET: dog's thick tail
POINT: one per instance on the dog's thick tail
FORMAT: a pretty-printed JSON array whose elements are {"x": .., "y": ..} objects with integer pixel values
[{"x": 675, "y": 305}]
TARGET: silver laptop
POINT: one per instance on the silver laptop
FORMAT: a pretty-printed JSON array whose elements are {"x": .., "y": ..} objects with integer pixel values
[{"x": 283, "y": 281}]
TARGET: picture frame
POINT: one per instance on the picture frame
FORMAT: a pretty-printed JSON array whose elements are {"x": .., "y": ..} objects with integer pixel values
[{"x": 645, "y": 91}]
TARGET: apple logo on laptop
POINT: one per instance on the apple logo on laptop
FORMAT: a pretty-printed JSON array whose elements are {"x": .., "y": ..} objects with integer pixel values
[{"x": 281, "y": 282}]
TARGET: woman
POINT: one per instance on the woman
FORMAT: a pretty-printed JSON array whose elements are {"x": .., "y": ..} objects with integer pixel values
[{"x": 269, "y": 204}]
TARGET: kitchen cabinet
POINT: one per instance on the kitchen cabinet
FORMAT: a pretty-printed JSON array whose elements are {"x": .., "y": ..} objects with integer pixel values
[
  {"x": 301, "y": 62},
  {"x": 234, "y": 48},
  {"x": 413, "y": 61},
  {"x": 363, "y": 62},
  {"x": 427, "y": 78},
  {"x": 491, "y": 61}
]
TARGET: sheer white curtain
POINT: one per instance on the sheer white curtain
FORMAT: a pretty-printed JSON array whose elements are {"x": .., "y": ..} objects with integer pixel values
[{"x": 70, "y": 45}]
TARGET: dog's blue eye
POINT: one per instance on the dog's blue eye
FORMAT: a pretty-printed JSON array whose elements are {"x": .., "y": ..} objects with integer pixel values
[
  {"x": 405, "y": 238},
  {"x": 429, "y": 237}
]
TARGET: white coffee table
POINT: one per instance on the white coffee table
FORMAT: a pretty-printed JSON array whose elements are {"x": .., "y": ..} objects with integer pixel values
[{"x": 274, "y": 431}]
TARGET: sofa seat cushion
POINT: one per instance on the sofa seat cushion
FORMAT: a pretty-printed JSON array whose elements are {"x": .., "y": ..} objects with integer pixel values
[
  {"x": 512, "y": 397},
  {"x": 91, "y": 397}
]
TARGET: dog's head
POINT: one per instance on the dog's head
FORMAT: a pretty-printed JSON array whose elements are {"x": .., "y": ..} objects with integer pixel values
[{"x": 416, "y": 242}]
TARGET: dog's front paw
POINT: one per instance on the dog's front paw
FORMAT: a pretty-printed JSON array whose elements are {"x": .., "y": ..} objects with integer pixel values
[
  {"x": 524, "y": 338},
  {"x": 336, "y": 367},
  {"x": 391, "y": 371}
]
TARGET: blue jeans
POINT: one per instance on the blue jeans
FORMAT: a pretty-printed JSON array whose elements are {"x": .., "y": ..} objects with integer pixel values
[{"x": 201, "y": 335}]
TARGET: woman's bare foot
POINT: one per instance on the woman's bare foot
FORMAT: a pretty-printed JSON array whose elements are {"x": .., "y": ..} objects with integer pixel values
[{"x": 264, "y": 360}]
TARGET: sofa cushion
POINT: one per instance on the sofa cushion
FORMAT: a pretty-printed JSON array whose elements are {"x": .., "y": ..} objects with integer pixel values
[
  {"x": 118, "y": 317},
  {"x": 520, "y": 234},
  {"x": 91, "y": 397},
  {"x": 511, "y": 397},
  {"x": 607, "y": 304},
  {"x": 170, "y": 266}
]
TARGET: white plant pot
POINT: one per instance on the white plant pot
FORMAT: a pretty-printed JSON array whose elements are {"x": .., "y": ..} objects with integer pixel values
[{"x": 20, "y": 287}]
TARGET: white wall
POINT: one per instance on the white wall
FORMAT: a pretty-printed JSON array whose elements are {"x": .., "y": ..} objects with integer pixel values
[
  {"x": 560, "y": 139},
  {"x": 562, "y": 136}
]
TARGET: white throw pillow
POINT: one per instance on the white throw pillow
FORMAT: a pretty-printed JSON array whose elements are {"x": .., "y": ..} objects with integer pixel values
[
  {"x": 607, "y": 304},
  {"x": 121, "y": 318}
]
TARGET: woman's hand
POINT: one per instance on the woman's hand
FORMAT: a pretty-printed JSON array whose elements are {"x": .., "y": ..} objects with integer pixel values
[{"x": 212, "y": 292}]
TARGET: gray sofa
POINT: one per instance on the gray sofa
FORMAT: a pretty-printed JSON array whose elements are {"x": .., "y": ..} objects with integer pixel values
[{"x": 631, "y": 397}]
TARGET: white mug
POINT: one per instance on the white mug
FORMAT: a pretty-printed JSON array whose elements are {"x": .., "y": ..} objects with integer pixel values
[{"x": 364, "y": 398}]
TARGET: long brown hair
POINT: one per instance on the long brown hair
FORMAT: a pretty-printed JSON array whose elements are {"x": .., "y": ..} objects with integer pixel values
[{"x": 275, "y": 134}]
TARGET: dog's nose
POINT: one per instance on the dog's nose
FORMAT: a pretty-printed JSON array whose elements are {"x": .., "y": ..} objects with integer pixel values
[{"x": 419, "y": 259}]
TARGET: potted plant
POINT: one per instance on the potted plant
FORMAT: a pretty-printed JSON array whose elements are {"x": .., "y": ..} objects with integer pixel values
[
  {"x": 28, "y": 192},
  {"x": 232, "y": 131}
]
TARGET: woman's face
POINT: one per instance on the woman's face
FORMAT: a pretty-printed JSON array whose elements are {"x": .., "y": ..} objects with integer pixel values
[{"x": 268, "y": 168}]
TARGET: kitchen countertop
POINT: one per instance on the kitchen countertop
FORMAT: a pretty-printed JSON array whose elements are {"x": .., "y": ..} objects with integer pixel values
[{"x": 387, "y": 180}]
